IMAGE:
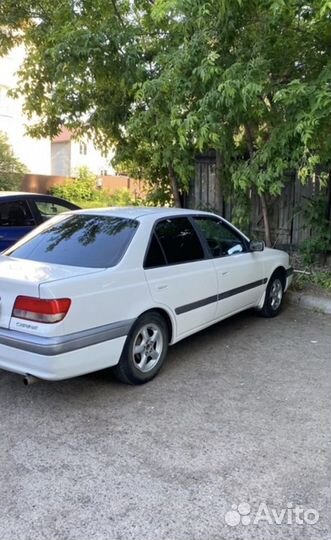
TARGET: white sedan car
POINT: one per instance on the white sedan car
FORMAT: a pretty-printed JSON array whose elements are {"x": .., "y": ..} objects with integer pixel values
[{"x": 104, "y": 288}]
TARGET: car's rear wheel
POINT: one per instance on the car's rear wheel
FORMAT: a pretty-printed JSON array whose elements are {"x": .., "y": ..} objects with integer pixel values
[
  {"x": 144, "y": 351},
  {"x": 274, "y": 296}
]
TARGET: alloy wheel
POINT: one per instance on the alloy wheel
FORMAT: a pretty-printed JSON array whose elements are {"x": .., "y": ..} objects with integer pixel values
[{"x": 147, "y": 347}]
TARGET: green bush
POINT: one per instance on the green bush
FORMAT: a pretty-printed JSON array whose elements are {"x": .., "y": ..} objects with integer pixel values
[
  {"x": 82, "y": 188},
  {"x": 82, "y": 191},
  {"x": 102, "y": 198},
  {"x": 317, "y": 278}
]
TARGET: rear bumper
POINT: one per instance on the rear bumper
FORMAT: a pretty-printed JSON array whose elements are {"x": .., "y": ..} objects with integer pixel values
[
  {"x": 62, "y": 366},
  {"x": 62, "y": 357}
]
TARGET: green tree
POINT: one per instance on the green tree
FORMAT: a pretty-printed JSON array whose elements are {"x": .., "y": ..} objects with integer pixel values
[
  {"x": 88, "y": 66},
  {"x": 11, "y": 169},
  {"x": 165, "y": 79},
  {"x": 255, "y": 85}
]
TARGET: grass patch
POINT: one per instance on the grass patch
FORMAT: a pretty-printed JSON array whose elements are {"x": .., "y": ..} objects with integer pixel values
[{"x": 317, "y": 278}]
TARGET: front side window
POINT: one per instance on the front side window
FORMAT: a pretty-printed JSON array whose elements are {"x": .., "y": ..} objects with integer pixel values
[
  {"x": 15, "y": 214},
  {"x": 179, "y": 241},
  {"x": 79, "y": 240},
  {"x": 222, "y": 240}
]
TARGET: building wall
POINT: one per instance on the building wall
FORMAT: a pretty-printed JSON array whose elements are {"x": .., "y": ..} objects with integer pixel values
[
  {"x": 84, "y": 154},
  {"x": 61, "y": 158}
]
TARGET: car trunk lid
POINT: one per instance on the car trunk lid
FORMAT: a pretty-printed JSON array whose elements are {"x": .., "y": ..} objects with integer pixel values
[{"x": 20, "y": 277}]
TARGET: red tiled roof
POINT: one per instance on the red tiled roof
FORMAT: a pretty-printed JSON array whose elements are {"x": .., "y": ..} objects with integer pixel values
[{"x": 64, "y": 136}]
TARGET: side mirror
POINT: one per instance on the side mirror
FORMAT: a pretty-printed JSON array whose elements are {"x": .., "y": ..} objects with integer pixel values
[{"x": 256, "y": 245}]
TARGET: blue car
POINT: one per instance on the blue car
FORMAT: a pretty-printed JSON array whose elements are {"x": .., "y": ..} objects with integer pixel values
[{"x": 21, "y": 212}]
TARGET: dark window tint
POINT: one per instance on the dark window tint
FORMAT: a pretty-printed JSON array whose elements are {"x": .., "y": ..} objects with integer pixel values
[
  {"x": 15, "y": 214},
  {"x": 222, "y": 240},
  {"x": 154, "y": 255},
  {"x": 179, "y": 241},
  {"x": 80, "y": 240}
]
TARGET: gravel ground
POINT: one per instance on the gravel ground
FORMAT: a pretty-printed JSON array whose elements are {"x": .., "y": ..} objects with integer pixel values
[{"x": 238, "y": 419}]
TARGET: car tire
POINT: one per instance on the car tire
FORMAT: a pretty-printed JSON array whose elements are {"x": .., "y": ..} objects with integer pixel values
[
  {"x": 274, "y": 296},
  {"x": 144, "y": 351}
]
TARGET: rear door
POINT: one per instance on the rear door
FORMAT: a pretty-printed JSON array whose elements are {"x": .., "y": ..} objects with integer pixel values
[
  {"x": 240, "y": 273},
  {"x": 179, "y": 275},
  {"x": 16, "y": 220}
]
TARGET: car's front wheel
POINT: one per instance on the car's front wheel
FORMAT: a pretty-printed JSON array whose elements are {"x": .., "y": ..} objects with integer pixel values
[
  {"x": 144, "y": 351},
  {"x": 274, "y": 296}
]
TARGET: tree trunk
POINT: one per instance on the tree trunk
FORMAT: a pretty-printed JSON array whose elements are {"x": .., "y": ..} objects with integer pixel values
[
  {"x": 267, "y": 235},
  {"x": 265, "y": 220},
  {"x": 250, "y": 137},
  {"x": 174, "y": 186},
  {"x": 219, "y": 174},
  {"x": 328, "y": 208},
  {"x": 328, "y": 204}
]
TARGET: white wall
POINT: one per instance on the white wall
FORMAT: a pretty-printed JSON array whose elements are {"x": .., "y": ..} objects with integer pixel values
[
  {"x": 61, "y": 158},
  {"x": 35, "y": 154},
  {"x": 93, "y": 159}
]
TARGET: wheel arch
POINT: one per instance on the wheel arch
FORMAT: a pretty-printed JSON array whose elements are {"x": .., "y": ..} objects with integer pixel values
[
  {"x": 167, "y": 317},
  {"x": 279, "y": 270}
]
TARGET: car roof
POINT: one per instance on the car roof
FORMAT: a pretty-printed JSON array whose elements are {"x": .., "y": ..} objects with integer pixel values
[
  {"x": 23, "y": 194},
  {"x": 8, "y": 196},
  {"x": 135, "y": 212}
]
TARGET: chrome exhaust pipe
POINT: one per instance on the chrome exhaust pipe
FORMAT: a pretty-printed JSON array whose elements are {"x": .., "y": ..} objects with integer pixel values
[{"x": 29, "y": 379}]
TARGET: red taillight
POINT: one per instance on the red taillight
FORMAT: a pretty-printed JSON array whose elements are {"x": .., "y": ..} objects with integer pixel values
[{"x": 36, "y": 309}]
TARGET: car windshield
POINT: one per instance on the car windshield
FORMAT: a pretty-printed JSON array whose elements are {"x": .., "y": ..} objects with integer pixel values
[{"x": 84, "y": 240}]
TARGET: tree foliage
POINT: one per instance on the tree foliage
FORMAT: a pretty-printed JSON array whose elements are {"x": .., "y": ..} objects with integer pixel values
[
  {"x": 11, "y": 169},
  {"x": 166, "y": 79}
]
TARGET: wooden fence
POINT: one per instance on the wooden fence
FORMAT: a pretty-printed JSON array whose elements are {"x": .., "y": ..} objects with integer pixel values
[
  {"x": 287, "y": 220},
  {"x": 286, "y": 212},
  {"x": 288, "y": 227}
]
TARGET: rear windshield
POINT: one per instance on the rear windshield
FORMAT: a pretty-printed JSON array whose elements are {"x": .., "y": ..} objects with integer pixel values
[{"x": 80, "y": 240}]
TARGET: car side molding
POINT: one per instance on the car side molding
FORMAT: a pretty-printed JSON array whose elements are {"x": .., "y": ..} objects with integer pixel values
[
  {"x": 221, "y": 296},
  {"x": 52, "y": 346}
]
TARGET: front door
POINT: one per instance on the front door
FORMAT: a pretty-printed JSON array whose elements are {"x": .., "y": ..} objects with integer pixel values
[
  {"x": 240, "y": 275},
  {"x": 179, "y": 276}
]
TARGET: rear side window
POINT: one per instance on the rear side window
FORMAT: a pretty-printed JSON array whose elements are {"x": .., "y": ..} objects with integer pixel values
[
  {"x": 80, "y": 240},
  {"x": 179, "y": 241},
  {"x": 154, "y": 256}
]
